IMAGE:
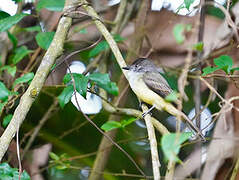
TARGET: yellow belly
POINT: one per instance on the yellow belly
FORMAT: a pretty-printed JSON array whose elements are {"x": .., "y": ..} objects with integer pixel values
[
  {"x": 144, "y": 93},
  {"x": 148, "y": 96}
]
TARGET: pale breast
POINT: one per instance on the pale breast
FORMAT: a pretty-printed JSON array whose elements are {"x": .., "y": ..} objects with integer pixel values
[{"x": 140, "y": 88}]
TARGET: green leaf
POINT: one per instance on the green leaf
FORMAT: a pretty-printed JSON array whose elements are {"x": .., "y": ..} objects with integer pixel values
[
  {"x": 198, "y": 46},
  {"x": 6, "y": 120},
  {"x": 33, "y": 29},
  {"x": 54, "y": 156},
  {"x": 182, "y": 6},
  {"x": 99, "y": 78},
  {"x": 5, "y": 169},
  {"x": 103, "y": 81},
  {"x": 234, "y": 69},
  {"x": 24, "y": 176},
  {"x": 172, "y": 97},
  {"x": 44, "y": 39},
  {"x": 118, "y": 38},
  {"x": 62, "y": 167},
  {"x": 126, "y": 122},
  {"x": 109, "y": 125},
  {"x": 224, "y": 62},
  {"x": 110, "y": 88},
  {"x": 188, "y": 3},
  {"x": 178, "y": 32},
  {"x": 8, "y": 22},
  {"x": 67, "y": 78},
  {"x": 171, "y": 144},
  {"x": 65, "y": 156},
  {"x": 209, "y": 70},
  {"x": 83, "y": 31},
  {"x": 24, "y": 79},
  {"x": 4, "y": 92},
  {"x": 53, "y": 67},
  {"x": 10, "y": 69},
  {"x": 81, "y": 82},
  {"x": 51, "y": 5},
  {"x": 103, "y": 45},
  {"x": 13, "y": 39},
  {"x": 3, "y": 14},
  {"x": 17, "y": 1},
  {"x": 66, "y": 95},
  {"x": 6, "y": 173},
  {"x": 19, "y": 54},
  {"x": 216, "y": 12}
]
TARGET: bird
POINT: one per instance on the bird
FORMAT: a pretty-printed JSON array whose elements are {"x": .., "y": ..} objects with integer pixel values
[{"x": 147, "y": 82}]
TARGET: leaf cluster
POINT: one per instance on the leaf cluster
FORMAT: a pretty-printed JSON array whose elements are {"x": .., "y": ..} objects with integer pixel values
[
  {"x": 6, "y": 173},
  {"x": 224, "y": 63},
  {"x": 81, "y": 83}
]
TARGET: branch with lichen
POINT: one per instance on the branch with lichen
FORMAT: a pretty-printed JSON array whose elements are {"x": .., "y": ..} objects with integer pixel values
[{"x": 55, "y": 49}]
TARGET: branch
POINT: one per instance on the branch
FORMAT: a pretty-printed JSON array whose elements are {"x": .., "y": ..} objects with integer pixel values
[
  {"x": 101, "y": 27},
  {"x": 153, "y": 144},
  {"x": 55, "y": 49},
  {"x": 136, "y": 113}
]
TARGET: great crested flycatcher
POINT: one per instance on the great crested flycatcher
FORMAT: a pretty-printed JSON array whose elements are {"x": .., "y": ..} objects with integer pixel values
[{"x": 151, "y": 87}]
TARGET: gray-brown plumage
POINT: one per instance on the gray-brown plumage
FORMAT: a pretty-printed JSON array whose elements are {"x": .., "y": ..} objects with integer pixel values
[
  {"x": 152, "y": 76},
  {"x": 157, "y": 83}
]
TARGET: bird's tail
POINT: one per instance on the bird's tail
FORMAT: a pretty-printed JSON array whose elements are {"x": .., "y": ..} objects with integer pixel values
[{"x": 174, "y": 111}]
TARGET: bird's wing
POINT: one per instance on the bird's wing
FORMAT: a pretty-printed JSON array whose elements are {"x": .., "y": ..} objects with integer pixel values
[{"x": 157, "y": 83}]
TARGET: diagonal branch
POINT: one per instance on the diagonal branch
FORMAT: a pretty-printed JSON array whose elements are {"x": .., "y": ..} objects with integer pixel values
[{"x": 101, "y": 27}]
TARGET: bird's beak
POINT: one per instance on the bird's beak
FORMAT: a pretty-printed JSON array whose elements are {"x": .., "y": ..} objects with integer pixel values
[{"x": 125, "y": 68}]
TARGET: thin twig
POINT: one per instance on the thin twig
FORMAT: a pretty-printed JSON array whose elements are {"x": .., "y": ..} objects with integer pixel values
[
  {"x": 76, "y": 52},
  {"x": 228, "y": 5},
  {"x": 197, "y": 83},
  {"x": 72, "y": 130},
  {"x": 46, "y": 116},
  {"x": 211, "y": 88}
]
